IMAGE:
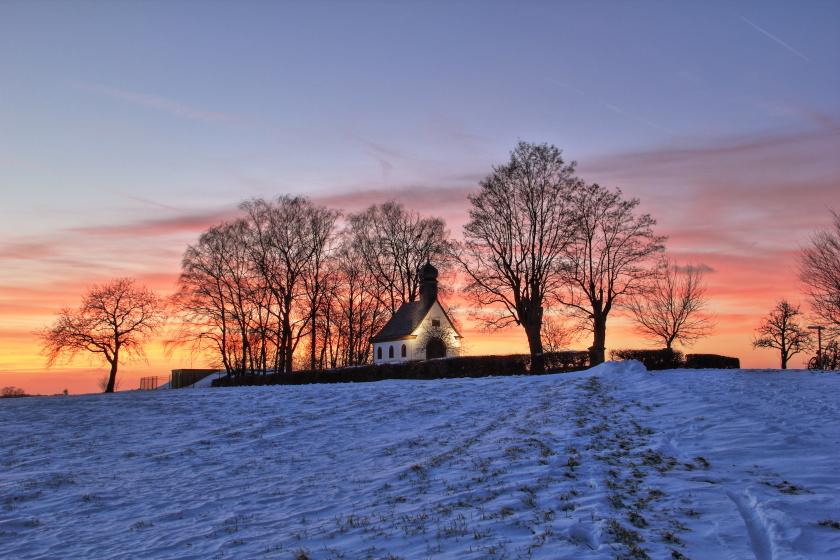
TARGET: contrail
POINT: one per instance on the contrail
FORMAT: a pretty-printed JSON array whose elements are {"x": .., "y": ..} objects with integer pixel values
[
  {"x": 785, "y": 45},
  {"x": 612, "y": 108}
]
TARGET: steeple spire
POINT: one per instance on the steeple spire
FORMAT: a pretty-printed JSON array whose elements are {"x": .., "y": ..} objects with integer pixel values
[{"x": 428, "y": 284}]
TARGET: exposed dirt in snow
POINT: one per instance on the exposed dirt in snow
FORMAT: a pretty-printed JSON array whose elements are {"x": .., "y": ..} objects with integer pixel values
[{"x": 615, "y": 462}]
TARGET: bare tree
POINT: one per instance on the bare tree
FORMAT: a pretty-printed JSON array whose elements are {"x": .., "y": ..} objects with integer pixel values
[
  {"x": 113, "y": 322},
  {"x": 557, "y": 333},
  {"x": 394, "y": 243},
  {"x": 103, "y": 382},
  {"x": 819, "y": 274},
  {"x": 673, "y": 308},
  {"x": 218, "y": 298},
  {"x": 358, "y": 312},
  {"x": 781, "y": 330},
  {"x": 289, "y": 244},
  {"x": 12, "y": 392},
  {"x": 279, "y": 253},
  {"x": 517, "y": 239},
  {"x": 318, "y": 274},
  {"x": 609, "y": 259}
]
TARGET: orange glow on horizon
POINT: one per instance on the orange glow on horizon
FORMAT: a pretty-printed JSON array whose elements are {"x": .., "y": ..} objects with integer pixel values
[
  {"x": 748, "y": 273},
  {"x": 22, "y": 366}
]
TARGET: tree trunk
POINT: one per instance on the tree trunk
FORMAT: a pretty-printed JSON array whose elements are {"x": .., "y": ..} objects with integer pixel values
[
  {"x": 287, "y": 333},
  {"x": 597, "y": 353},
  {"x": 532, "y": 323},
  {"x": 112, "y": 377}
]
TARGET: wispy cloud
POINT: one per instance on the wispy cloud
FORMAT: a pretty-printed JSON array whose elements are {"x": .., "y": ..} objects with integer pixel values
[
  {"x": 182, "y": 223},
  {"x": 779, "y": 41},
  {"x": 380, "y": 153},
  {"x": 117, "y": 192},
  {"x": 162, "y": 104}
]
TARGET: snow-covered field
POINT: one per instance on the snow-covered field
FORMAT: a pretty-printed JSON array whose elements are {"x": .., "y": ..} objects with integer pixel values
[{"x": 614, "y": 462}]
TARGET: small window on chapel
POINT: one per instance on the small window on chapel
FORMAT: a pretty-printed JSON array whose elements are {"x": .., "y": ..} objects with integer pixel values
[
  {"x": 435, "y": 322},
  {"x": 391, "y": 351},
  {"x": 403, "y": 351},
  {"x": 379, "y": 353}
]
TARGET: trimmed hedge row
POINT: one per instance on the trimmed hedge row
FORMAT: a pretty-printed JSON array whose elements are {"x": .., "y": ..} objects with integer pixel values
[
  {"x": 447, "y": 368},
  {"x": 566, "y": 360},
  {"x": 711, "y": 361},
  {"x": 673, "y": 359},
  {"x": 652, "y": 359}
]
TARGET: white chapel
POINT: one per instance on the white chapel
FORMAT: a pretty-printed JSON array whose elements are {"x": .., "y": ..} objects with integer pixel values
[{"x": 419, "y": 330}]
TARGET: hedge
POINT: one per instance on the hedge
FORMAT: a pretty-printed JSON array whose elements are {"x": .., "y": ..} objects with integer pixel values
[
  {"x": 652, "y": 359},
  {"x": 711, "y": 361},
  {"x": 444, "y": 368},
  {"x": 565, "y": 361}
]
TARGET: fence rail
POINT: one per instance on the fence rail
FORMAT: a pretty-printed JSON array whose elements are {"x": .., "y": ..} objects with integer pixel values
[{"x": 149, "y": 383}]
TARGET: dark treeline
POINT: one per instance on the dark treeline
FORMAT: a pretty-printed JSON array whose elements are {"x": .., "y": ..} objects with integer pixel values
[{"x": 287, "y": 286}]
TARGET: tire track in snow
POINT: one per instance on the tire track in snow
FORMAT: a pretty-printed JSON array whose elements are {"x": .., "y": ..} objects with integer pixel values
[{"x": 757, "y": 531}]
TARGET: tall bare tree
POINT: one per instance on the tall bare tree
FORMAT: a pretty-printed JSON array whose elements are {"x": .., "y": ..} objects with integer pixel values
[
  {"x": 289, "y": 245},
  {"x": 781, "y": 330},
  {"x": 394, "y": 243},
  {"x": 358, "y": 311},
  {"x": 674, "y": 307},
  {"x": 219, "y": 299},
  {"x": 517, "y": 239},
  {"x": 319, "y": 274},
  {"x": 610, "y": 258},
  {"x": 113, "y": 322},
  {"x": 819, "y": 274},
  {"x": 279, "y": 252}
]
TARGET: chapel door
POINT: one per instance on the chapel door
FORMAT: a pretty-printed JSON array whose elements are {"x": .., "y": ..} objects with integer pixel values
[{"x": 435, "y": 348}]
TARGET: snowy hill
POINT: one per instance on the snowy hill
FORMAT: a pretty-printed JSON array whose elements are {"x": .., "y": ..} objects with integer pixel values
[{"x": 614, "y": 462}]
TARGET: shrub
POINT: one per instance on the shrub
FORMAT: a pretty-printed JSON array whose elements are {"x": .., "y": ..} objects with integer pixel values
[
  {"x": 711, "y": 361},
  {"x": 566, "y": 360},
  {"x": 652, "y": 359}
]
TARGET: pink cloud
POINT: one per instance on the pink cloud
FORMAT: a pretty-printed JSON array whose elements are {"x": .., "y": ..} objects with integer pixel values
[{"x": 180, "y": 224}]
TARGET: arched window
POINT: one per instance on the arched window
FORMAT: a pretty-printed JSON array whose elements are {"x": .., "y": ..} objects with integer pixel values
[
  {"x": 435, "y": 348},
  {"x": 403, "y": 351},
  {"x": 391, "y": 351},
  {"x": 379, "y": 353}
]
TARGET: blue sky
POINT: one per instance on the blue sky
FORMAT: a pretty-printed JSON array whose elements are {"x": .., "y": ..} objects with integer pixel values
[{"x": 126, "y": 128}]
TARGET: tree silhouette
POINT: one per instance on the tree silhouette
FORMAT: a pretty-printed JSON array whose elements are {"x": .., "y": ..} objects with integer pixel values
[
  {"x": 113, "y": 322},
  {"x": 781, "y": 330},
  {"x": 673, "y": 308},
  {"x": 609, "y": 258},
  {"x": 819, "y": 274},
  {"x": 517, "y": 237}
]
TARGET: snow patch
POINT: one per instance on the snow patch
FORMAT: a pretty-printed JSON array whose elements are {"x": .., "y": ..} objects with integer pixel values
[{"x": 623, "y": 367}]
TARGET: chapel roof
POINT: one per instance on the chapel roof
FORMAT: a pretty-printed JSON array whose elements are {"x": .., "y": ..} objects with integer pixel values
[{"x": 404, "y": 322}]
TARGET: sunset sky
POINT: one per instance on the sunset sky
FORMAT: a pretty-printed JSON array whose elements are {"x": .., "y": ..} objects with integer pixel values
[{"x": 128, "y": 127}]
